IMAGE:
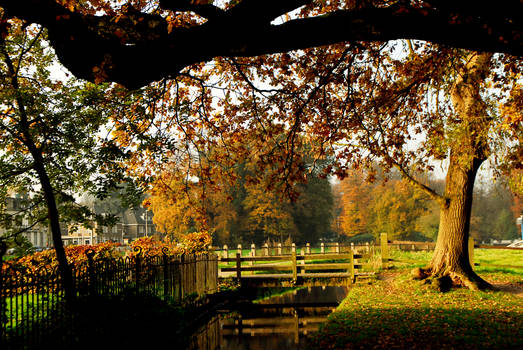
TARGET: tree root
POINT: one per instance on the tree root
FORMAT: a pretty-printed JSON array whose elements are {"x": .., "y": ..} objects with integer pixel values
[
  {"x": 419, "y": 274},
  {"x": 470, "y": 280},
  {"x": 444, "y": 280}
]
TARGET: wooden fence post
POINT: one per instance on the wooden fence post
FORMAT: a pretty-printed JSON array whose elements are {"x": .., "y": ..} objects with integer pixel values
[
  {"x": 367, "y": 247},
  {"x": 308, "y": 248},
  {"x": 225, "y": 251},
  {"x": 471, "y": 251},
  {"x": 352, "y": 246},
  {"x": 279, "y": 249},
  {"x": 294, "y": 267},
  {"x": 302, "y": 253},
  {"x": 322, "y": 248},
  {"x": 351, "y": 268},
  {"x": 384, "y": 251},
  {"x": 238, "y": 266},
  {"x": 253, "y": 253},
  {"x": 337, "y": 248},
  {"x": 266, "y": 249}
]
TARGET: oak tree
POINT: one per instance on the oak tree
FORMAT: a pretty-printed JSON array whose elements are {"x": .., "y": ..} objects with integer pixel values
[
  {"x": 402, "y": 105},
  {"x": 358, "y": 100}
]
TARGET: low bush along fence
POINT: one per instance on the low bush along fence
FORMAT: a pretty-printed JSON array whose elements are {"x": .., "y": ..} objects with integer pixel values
[{"x": 33, "y": 298}]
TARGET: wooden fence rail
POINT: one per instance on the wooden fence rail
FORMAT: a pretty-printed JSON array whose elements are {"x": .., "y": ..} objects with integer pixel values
[
  {"x": 280, "y": 261},
  {"x": 327, "y": 265}
]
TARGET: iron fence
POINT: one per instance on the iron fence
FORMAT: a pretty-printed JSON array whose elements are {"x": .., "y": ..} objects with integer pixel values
[{"x": 33, "y": 305}]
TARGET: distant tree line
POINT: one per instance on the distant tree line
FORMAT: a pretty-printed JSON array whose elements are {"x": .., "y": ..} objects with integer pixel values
[
  {"x": 243, "y": 210},
  {"x": 367, "y": 208}
]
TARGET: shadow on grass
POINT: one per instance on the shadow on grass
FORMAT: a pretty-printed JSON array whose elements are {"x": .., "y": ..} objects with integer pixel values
[
  {"x": 127, "y": 321},
  {"x": 421, "y": 328}
]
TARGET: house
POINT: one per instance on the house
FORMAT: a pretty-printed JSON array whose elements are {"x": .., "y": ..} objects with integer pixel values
[
  {"x": 132, "y": 224},
  {"x": 38, "y": 235},
  {"x": 78, "y": 234}
]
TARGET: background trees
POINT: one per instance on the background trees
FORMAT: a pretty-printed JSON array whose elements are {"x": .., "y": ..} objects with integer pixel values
[
  {"x": 406, "y": 213},
  {"x": 51, "y": 134},
  {"x": 242, "y": 210},
  {"x": 492, "y": 214}
]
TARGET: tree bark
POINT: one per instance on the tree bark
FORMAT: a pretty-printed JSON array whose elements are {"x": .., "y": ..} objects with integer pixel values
[
  {"x": 451, "y": 257},
  {"x": 468, "y": 150}
]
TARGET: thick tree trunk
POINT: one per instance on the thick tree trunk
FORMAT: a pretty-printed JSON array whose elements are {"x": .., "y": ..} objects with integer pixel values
[
  {"x": 468, "y": 140},
  {"x": 451, "y": 257}
]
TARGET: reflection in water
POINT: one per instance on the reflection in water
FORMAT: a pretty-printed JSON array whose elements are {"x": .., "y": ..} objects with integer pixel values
[{"x": 279, "y": 322}]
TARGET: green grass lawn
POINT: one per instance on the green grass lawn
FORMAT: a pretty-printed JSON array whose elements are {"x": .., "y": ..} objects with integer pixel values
[
  {"x": 483, "y": 257},
  {"x": 396, "y": 312}
]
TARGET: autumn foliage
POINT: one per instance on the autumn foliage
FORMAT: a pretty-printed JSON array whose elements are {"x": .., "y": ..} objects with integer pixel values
[
  {"x": 76, "y": 256},
  {"x": 191, "y": 243},
  {"x": 393, "y": 207}
]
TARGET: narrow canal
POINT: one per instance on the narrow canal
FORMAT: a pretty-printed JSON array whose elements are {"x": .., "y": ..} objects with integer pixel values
[{"x": 277, "y": 322}]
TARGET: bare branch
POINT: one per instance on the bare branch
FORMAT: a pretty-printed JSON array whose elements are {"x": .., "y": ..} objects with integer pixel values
[{"x": 429, "y": 191}]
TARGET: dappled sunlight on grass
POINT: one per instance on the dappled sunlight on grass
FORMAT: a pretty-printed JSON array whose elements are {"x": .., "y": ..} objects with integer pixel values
[{"x": 401, "y": 313}]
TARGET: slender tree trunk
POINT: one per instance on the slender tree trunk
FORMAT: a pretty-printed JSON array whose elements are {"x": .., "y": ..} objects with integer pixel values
[
  {"x": 39, "y": 167},
  {"x": 54, "y": 222}
]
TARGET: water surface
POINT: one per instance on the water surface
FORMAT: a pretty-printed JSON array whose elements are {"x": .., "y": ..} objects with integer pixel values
[{"x": 278, "y": 322}]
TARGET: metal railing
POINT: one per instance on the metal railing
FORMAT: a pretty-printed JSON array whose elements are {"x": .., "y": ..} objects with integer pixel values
[{"x": 33, "y": 301}]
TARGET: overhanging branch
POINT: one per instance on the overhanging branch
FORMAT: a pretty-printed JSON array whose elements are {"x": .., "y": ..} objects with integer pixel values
[
  {"x": 441, "y": 200},
  {"x": 115, "y": 49}
]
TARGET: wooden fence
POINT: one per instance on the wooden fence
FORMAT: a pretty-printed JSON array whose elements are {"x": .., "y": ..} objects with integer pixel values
[
  {"x": 341, "y": 263},
  {"x": 280, "y": 249},
  {"x": 33, "y": 301},
  {"x": 280, "y": 261}
]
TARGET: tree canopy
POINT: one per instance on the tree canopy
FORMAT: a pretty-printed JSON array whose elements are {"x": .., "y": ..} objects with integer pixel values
[
  {"x": 259, "y": 80},
  {"x": 99, "y": 40}
]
